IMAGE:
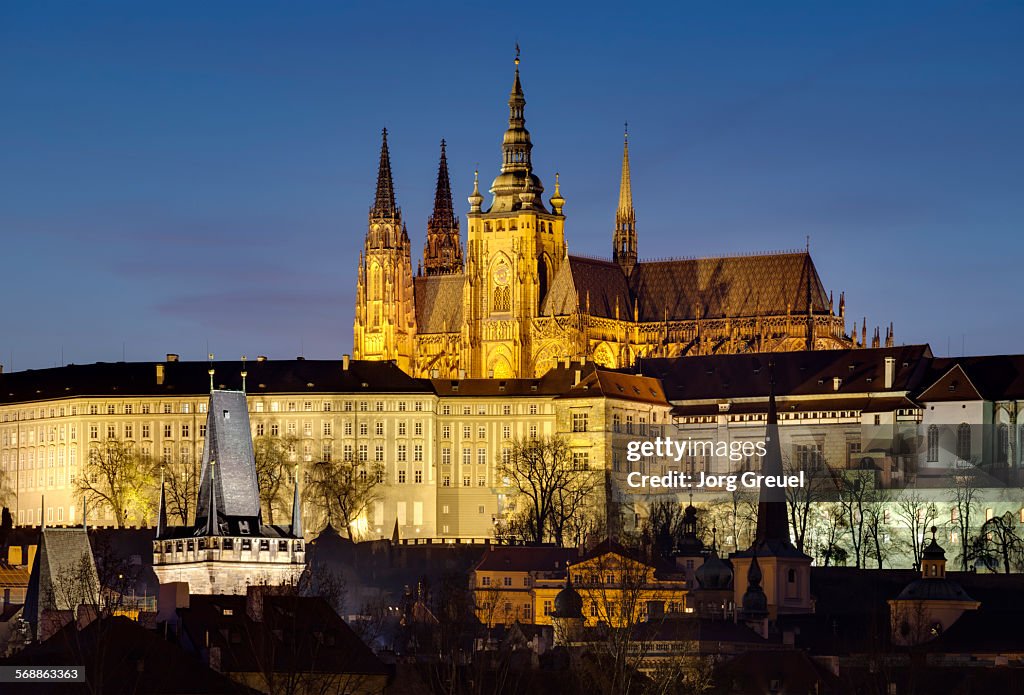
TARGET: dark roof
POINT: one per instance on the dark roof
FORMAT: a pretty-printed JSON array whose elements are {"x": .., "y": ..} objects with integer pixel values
[
  {"x": 295, "y": 633},
  {"x": 757, "y": 285},
  {"x": 692, "y": 628},
  {"x": 62, "y": 553},
  {"x": 992, "y": 377},
  {"x": 807, "y": 373},
  {"x": 611, "y": 384},
  {"x": 191, "y": 379},
  {"x": 131, "y": 659},
  {"x": 525, "y": 558},
  {"x": 228, "y": 444},
  {"x": 933, "y": 589},
  {"x": 439, "y": 303}
]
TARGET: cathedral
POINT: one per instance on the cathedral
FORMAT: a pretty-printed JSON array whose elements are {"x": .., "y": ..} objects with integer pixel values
[{"x": 515, "y": 302}]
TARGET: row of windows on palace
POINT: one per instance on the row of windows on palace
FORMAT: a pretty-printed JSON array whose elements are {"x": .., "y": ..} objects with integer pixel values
[
  {"x": 259, "y": 406},
  {"x": 1002, "y": 451}
]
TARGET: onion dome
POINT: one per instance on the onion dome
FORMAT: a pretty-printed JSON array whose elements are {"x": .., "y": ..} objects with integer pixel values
[
  {"x": 568, "y": 603},
  {"x": 556, "y": 200},
  {"x": 714, "y": 574},
  {"x": 475, "y": 199}
]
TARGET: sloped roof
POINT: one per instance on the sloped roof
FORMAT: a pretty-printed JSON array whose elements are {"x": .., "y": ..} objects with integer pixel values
[
  {"x": 611, "y": 384},
  {"x": 805, "y": 373},
  {"x": 604, "y": 283},
  {"x": 228, "y": 443},
  {"x": 63, "y": 573},
  {"x": 299, "y": 376},
  {"x": 439, "y": 303},
  {"x": 761, "y": 285},
  {"x": 991, "y": 377},
  {"x": 525, "y": 558}
]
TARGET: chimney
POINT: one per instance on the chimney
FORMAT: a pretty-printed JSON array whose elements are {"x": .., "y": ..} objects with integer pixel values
[
  {"x": 1, "y": 369},
  {"x": 890, "y": 371},
  {"x": 576, "y": 378},
  {"x": 568, "y": 361},
  {"x": 435, "y": 374},
  {"x": 490, "y": 373},
  {"x": 344, "y": 362},
  {"x": 172, "y": 357},
  {"x": 159, "y": 375},
  {"x": 836, "y": 383},
  {"x": 462, "y": 373},
  {"x": 261, "y": 358}
]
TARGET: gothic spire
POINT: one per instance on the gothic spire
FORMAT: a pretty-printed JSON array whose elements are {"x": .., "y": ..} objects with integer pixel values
[
  {"x": 161, "y": 514},
  {"x": 624, "y": 243},
  {"x": 772, "y": 524},
  {"x": 296, "y": 509},
  {"x": 384, "y": 203},
  {"x": 443, "y": 251}
]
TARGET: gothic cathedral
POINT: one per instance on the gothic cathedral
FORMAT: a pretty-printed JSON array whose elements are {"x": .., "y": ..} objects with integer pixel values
[{"x": 517, "y": 302}]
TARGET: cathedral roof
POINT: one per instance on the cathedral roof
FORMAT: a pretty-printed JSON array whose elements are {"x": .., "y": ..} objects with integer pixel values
[
  {"x": 761, "y": 285},
  {"x": 602, "y": 281},
  {"x": 439, "y": 303}
]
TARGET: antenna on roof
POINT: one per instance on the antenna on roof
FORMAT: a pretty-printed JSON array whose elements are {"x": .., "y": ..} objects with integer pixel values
[{"x": 244, "y": 373}]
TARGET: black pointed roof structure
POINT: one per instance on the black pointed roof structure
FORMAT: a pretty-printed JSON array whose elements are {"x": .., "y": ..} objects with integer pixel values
[{"x": 384, "y": 203}]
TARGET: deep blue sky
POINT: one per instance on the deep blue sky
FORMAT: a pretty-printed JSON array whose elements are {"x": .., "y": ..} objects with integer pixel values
[{"x": 181, "y": 175}]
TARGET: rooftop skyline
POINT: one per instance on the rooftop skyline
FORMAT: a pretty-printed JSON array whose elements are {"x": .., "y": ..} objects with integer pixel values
[{"x": 196, "y": 179}]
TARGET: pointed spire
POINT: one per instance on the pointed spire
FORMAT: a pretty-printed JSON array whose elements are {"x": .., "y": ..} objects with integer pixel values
[
  {"x": 395, "y": 537},
  {"x": 384, "y": 202},
  {"x": 772, "y": 523},
  {"x": 296, "y": 509},
  {"x": 624, "y": 242},
  {"x": 443, "y": 251},
  {"x": 556, "y": 200},
  {"x": 212, "y": 527},
  {"x": 475, "y": 199},
  {"x": 161, "y": 514}
]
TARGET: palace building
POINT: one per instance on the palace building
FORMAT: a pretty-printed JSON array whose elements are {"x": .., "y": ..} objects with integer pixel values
[{"x": 516, "y": 302}]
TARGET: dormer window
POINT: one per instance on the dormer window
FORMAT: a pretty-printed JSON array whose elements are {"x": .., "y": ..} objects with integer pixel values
[
  {"x": 243, "y": 528},
  {"x": 227, "y": 415}
]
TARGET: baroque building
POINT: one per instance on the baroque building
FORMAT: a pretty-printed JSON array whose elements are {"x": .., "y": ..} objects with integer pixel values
[{"x": 516, "y": 302}]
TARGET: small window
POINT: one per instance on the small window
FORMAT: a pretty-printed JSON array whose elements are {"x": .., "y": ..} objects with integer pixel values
[{"x": 243, "y": 527}]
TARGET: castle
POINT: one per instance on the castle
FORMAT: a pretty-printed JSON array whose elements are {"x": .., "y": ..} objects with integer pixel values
[{"x": 516, "y": 302}]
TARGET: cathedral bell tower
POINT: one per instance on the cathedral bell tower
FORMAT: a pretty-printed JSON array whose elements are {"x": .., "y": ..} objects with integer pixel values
[
  {"x": 385, "y": 321},
  {"x": 514, "y": 250}
]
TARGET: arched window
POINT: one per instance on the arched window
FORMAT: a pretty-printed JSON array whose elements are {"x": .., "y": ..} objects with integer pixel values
[
  {"x": 502, "y": 298},
  {"x": 1002, "y": 443},
  {"x": 963, "y": 442},
  {"x": 542, "y": 279},
  {"x": 933, "y": 443}
]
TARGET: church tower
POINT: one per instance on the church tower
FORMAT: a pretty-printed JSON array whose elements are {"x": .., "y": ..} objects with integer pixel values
[
  {"x": 442, "y": 254},
  {"x": 514, "y": 250},
  {"x": 624, "y": 241},
  {"x": 385, "y": 321}
]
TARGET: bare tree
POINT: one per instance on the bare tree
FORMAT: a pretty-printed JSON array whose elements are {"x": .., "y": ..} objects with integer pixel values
[
  {"x": 801, "y": 500},
  {"x": 878, "y": 540},
  {"x": 965, "y": 497},
  {"x": 182, "y": 488},
  {"x": 342, "y": 491},
  {"x": 273, "y": 459},
  {"x": 916, "y": 514},
  {"x": 999, "y": 544},
  {"x": 548, "y": 488},
  {"x": 831, "y": 527},
  {"x": 855, "y": 488},
  {"x": 118, "y": 476}
]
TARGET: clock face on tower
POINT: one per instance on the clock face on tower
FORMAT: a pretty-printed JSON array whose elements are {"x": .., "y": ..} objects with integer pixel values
[{"x": 501, "y": 275}]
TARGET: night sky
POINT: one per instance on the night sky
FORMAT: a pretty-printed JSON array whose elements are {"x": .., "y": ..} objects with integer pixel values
[{"x": 193, "y": 177}]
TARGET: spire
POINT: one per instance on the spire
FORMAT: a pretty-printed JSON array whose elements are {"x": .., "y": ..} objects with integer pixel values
[
  {"x": 384, "y": 203},
  {"x": 475, "y": 199},
  {"x": 624, "y": 243},
  {"x": 557, "y": 201},
  {"x": 516, "y": 168},
  {"x": 161, "y": 514},
  {"x": 296, "y": 509},
  {"x": 772, "y": 523},
  {"x": 443, "y": 251},
  {"x": 395, "y": 537},
  {"x": 212, "y": 527}
]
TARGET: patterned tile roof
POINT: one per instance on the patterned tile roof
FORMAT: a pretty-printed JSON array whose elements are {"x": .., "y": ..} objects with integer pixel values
[
  {"x": 604, "y": 284},
  {"x": 64, "y": 572},
  {"x": 763, "y": 285},
  {"x": 439, "y": 303}
]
